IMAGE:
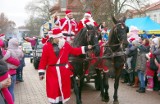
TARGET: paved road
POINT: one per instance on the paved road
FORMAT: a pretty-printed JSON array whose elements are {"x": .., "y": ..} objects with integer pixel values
[{"x": 32, "y": 91}]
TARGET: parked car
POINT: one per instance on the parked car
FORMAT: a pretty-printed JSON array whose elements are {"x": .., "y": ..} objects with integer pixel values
[
  {"x": 27, "y": 48},
  {"x": 37, "y": 52}
]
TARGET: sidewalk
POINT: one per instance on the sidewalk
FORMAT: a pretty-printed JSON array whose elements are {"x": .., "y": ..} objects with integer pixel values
[{"x": 32, "y": 90}]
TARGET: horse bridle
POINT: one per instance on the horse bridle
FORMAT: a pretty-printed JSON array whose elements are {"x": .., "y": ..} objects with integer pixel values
[
  {"x": 118, "y": 37},
  {"x": 88, "y": 36}
]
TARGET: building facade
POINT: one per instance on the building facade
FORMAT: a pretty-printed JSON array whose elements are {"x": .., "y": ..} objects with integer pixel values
[{"x": 152, "y": 10}]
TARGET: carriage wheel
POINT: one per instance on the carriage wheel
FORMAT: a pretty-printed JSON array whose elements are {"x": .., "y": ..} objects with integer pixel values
[{"x": 97, "y": 83}]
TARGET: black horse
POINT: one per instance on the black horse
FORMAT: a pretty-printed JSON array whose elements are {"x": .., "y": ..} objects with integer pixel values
[
  {"x": 87, "y": 36},
  {"x": 114, "y": 49}
]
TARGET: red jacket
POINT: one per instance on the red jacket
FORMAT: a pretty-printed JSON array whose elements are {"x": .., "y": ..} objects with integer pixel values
[
  {"x": 57, "y": 77},
  {"x": 68, "y": 26}
]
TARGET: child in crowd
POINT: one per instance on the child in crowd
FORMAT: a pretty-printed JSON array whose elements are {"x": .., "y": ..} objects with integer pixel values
[
  {"x": 149, "y": 73},
  {"x": 19, "y": 73},
  {"x": 128, "y": 51}
]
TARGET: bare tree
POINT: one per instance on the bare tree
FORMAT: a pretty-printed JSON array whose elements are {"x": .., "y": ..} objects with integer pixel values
[
  {"x": 6, "y": 26},
  {"x": 103, "y": 9},
  {"x": 34, "y": 24},
  {"x": 39, "y": 10}
]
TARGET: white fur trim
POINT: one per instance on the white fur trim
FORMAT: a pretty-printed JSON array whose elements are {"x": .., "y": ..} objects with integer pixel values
[
  {"x": 55, "y": 36},
  {"x": 87, "y": 14},
  {"x": 57, "y": 100},
  {"x": 59, "y": 78},
  {"x": 90, "y": 23},
  {"x": 83, "y": 50},
  {"x": 67, "y": 32},
  {"x": 41, "y": 70}
]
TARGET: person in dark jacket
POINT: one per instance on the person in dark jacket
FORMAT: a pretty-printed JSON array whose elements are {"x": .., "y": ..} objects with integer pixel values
[
  {"x": 133, "y": 54},
  {"x": 155, "y": 50},
  {"x": 143, "y": 49}
]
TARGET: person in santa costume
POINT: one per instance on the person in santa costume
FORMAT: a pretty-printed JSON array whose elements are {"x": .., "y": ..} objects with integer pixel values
[
  {"x": 68, "y": 25},
  {"x": 55, "y": 62},
  {"x": 31, "y": 40},
  {"x": 87, "y": 19}
]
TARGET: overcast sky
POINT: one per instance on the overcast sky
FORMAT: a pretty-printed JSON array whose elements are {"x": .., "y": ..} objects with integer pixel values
[{"x": 14, "y": 10}]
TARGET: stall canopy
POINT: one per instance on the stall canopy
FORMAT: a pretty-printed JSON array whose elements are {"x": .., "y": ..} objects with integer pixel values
[{"x": 143, "y": 23}]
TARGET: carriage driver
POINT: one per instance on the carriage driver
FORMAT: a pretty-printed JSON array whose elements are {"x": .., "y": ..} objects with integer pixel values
[
  {"x": 87, "y": 19},
  {"x": 68, "y": 25},
  {"x": 54, "y": 61}
]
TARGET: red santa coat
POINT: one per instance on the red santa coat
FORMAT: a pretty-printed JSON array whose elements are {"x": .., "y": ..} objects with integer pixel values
[
  {"x": 83, "y": 23},
  {"x": 57, "y": 77},
  {"x": 100, "y": 63},
  {"x": 68, "y": 27},
  {"x": 44, "y": 40}
]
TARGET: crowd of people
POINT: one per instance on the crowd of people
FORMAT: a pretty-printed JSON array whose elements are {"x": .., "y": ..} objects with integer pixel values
[
  {"x": 142, "y": 68},
  {"x": 11, "y": 67}
]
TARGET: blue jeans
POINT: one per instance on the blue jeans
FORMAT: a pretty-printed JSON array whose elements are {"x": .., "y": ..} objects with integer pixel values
[
  {"x": 141, "y": 78},
  {"x": 11, "y": 87}
]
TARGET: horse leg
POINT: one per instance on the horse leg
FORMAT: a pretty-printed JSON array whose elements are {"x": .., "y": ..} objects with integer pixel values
[
  {"x": 106, "y": 86},
  {"x": 76, "y": 90},
  {"x": 100, "y": 80},
  {"x": 116, "y": 85},
  {"x": 80, "y": 88}
]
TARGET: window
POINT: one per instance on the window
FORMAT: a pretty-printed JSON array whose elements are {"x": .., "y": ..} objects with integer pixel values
[{"x": 155, "y": 18}]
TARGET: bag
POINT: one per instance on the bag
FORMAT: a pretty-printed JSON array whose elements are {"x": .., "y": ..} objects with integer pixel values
[{"x": 153, "y": 65}]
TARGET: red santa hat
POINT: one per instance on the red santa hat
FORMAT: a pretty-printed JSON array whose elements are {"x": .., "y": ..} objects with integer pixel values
[
  {"x": 55, "y": 33},
  {"x": 2, "y": 35},
  {"x": 131, "y": 39},
  {"x": 88, "y": 14},
  {"x": 68, "y": 12}
]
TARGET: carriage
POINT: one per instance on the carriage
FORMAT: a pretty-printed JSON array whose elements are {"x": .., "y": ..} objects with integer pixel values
[{"x": 113, "y": 51}]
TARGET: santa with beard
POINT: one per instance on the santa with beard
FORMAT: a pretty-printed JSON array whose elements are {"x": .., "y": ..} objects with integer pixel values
[
  {"x": 55, "y": 62},
  {"x": 86, "y": 20}
]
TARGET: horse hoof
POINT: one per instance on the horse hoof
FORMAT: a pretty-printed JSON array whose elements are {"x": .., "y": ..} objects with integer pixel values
[
  {"x": 105, "y": 99},
  {"x": 115, "y": 102}
]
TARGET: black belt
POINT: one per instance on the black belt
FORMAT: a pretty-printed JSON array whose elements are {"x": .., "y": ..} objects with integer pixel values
[
  {"x": 65, "y": 34},
  {"x": 58, "y": 65}
]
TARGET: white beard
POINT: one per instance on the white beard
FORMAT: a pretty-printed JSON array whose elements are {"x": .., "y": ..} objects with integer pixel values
[{"x": 61, "y": 43}]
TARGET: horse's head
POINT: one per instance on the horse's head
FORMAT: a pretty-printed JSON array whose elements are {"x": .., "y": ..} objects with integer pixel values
[
  {"x": 119, "y": 32},
  {"x": 92, "y": 37},
  {"x": 88, "y": 36}
]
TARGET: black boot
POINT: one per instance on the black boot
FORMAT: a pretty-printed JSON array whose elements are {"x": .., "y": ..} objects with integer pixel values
[
  {"x": 138, "y": 90},
  {"x": 142, "y": 90}
]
